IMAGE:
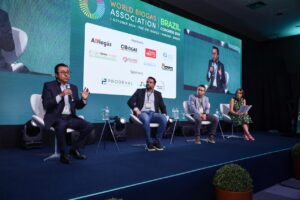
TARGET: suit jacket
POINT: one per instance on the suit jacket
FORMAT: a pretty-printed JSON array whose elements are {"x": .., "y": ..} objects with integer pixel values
[
  {"x": 53, "y": 109},
  {"x": 221, "y": 80},
  {"x": 6, "y": 39},
  {"x": 138, "y": 99},
  {"x": 194, "y": 104}
]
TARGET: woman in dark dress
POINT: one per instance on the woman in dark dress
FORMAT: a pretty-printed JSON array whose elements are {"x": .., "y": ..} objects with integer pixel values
[{"x": 240, "y": 119}]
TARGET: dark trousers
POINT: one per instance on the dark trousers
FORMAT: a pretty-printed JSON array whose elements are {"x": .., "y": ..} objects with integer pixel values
[
  {"x": 77, "y": 124},
  {"x": 211, "y": 127},
  {"x": 215, "y": 89}
]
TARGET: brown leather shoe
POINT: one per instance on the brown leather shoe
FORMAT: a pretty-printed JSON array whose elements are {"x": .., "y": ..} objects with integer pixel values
[{"x": 197, "y": 140}]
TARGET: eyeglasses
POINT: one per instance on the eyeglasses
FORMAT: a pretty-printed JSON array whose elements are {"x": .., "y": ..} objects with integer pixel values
[
  {"x": 64, "y": 73},
  {"x": 201, "y": 90}
]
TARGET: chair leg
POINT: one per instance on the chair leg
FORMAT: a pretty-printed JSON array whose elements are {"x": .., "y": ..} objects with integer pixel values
[
  {"x": 55, "y": 154},
  {"x": 173, "y": 131},
  {"x": 221, "y": 130},
  {"x": 232, "y": 135},
  {"x": 113, "y": 135}
]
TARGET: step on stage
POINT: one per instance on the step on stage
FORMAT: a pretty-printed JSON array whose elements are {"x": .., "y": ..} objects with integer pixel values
[{"x": 183, "y": 171}]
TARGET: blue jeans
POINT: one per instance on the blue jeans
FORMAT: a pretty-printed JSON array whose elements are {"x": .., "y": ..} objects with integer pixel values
[{"x": 148, "y": 117}]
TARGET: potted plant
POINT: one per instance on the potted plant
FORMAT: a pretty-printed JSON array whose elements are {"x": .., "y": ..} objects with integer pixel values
[
  {"x": 295, "y": 152},
  {"x": 232, "y": 182}
]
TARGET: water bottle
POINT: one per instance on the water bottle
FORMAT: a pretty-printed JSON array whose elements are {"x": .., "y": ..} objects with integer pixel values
[
  {"x": 173, "y": 112},
  {"x": 105, "y": 115},
  {"x": 176, "y": 114}
]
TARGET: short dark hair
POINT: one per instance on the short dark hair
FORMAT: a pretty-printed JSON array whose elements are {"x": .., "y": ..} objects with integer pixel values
[
  {"x": 240, "y": 90},
  {"x": 203, "y": 86},
  {"x": 59, "y": 65},
  {"x": 154, "y": 80},
  {"x": 216, "y": 48}
]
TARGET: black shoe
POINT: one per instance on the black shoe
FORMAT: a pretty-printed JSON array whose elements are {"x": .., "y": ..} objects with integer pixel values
[
  {"x": 158, "y": 146},
  {"x": 76, "y": 154},
  {"x": 150, "y": 147},
  {"x": 65, "y": 159}
]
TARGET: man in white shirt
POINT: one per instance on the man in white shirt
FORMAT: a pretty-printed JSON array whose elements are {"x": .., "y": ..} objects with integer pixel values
[{"x": 60, "y": 100}]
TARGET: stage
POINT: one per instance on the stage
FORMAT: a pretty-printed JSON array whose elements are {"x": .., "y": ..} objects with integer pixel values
[{"x": 183, "y": 171}]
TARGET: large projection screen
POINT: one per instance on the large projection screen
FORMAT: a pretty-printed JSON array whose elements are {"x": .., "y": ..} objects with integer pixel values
[{"x": 117, "y": 63}]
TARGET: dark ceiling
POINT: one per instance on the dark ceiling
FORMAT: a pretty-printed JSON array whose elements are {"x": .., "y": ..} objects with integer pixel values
[{"x": 259, "y": 20}]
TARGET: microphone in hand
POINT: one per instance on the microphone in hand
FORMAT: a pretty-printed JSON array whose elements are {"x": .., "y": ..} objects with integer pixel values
[{"x": 69, "y": 87}]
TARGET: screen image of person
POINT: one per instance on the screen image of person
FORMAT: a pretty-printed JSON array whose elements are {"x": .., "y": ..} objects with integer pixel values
[
  {"x": 215, "y": 73},
  {"x": 148, "y": 105},
  {"x": 60, "y": 100},
  {"x": 240, "y": 119},
  {"x": 199, "y": 108},
  {"x": 6, "y": 40}
]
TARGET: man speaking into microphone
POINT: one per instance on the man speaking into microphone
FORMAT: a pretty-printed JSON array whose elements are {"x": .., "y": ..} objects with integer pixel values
[
  {"x": 60, "y": 100},
  {"x": 215, "y": 73}
]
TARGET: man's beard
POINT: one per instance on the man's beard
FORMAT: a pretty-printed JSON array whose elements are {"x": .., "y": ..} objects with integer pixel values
[{"x": 148, "y": 87}]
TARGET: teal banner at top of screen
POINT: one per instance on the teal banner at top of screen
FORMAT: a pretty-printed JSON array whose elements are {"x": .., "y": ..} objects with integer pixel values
[{"x": 142, "y": 19}]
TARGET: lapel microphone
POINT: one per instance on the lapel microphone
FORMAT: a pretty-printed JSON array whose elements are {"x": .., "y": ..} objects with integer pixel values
[{"x": 68, "y": 86}]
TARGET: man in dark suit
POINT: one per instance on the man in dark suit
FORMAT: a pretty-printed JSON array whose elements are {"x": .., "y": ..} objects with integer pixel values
[
  {"x": 216, "y": 73},
  {"x": 60, "y": 100},
  {"x": 148, "y": 106},
  {"x": 6, "y": 40}
]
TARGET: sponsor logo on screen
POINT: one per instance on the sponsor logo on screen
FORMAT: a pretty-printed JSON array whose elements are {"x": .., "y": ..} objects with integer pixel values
[
  {"x": 136, "y": 72},
  {"x": 126, "y": 47},
  {"x": 137, "y": 41},
  {"x": 99, "y": 11},
  {"x": 150, "y": 64},
  {"x": 102, "y": 55},
  {"x": 160, "y": 85},
  {"x": 115, "y": 82},
  {"x": 142, "y": 84},
  {"x": 101, "y": 42},
  {"x": 129, "y": 60},
  {"x": 150, "y": 53},
  {"x": 167, "y": 56},
  {"x": 166, "y": 67}
]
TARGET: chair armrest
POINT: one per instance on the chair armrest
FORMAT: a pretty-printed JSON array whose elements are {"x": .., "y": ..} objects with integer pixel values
[
  {"x": 189, "y": 117},
  {"x": 81, "y": 116},
  {"x": 216, "y": 116},
  {"x": 37, "y": 121},
  {"x": 226, "y": 118},
  {"x": 135, "y": 119}
]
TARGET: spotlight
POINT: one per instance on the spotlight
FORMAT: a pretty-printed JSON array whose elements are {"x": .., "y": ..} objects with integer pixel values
[
  {"x": 119, "y": 127},
  {"x": 32, "y": 136}
]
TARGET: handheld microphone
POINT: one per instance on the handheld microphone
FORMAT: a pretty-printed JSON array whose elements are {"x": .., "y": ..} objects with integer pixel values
[
  {"x": 69, "y": 87},
  {"x": 213, "y": 71}
]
